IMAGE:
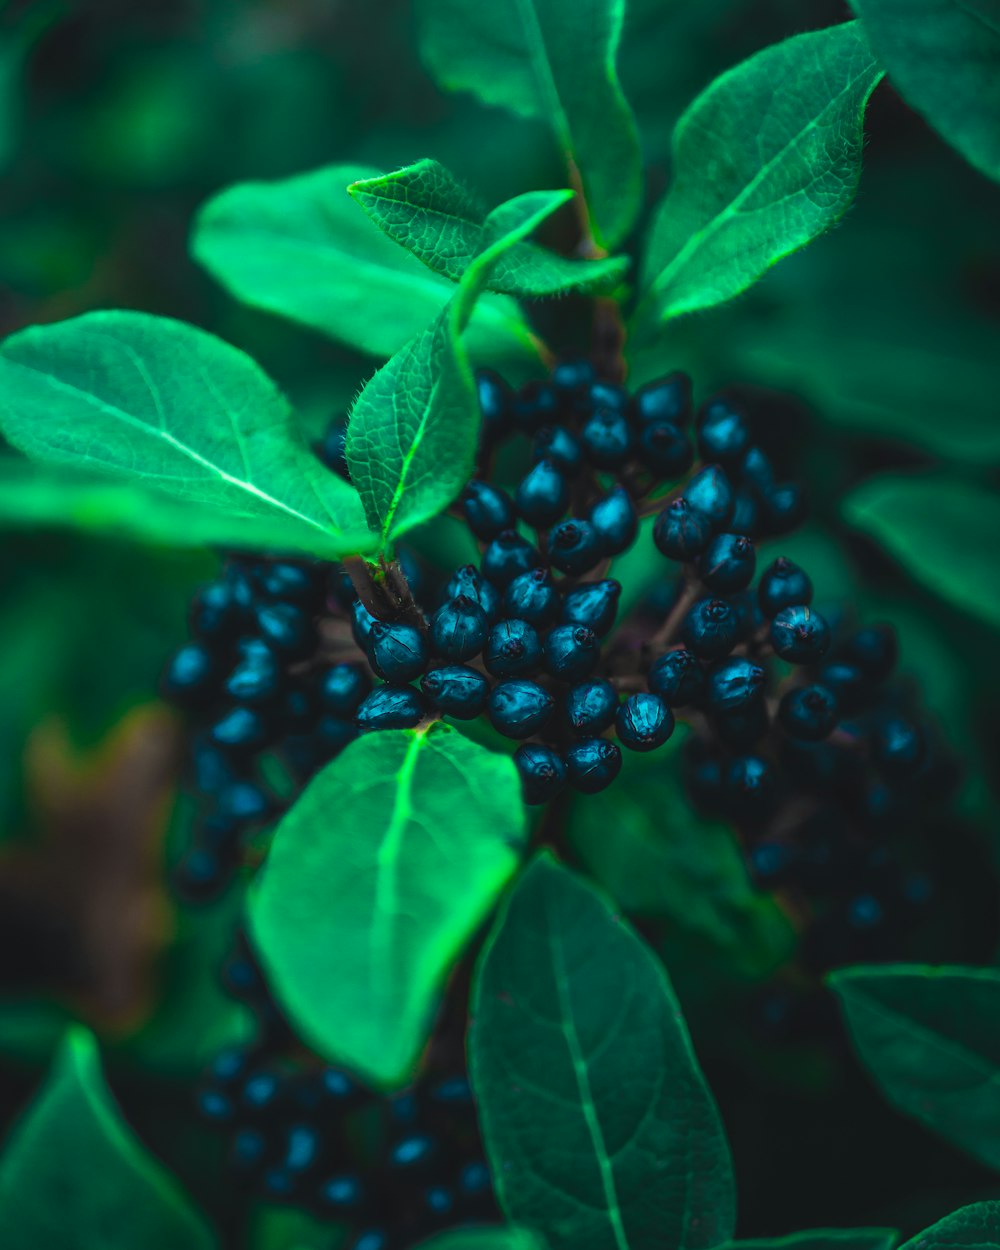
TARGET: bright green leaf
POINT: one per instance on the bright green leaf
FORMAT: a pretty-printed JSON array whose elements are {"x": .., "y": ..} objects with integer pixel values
[
  {"x": 577, "y": 1039},
  {"x": 553, "y": 60},
  {"x": 74, "y": 1173},
  {"x": 413, "y": 432},
  {"x": 976, "y": 1227},
  {"x": 931, "y": 1039},
  {"x": 178, "y": 410},
  {"x": 765, "y": 159},
  {"x": 943, "y": 56},
  {"x": 499, "y": 1237},
  {"x": 942, "y": 530},
  {"x": 430, "y": 213},
  {"x": 300, "y": 247},
  {"x": 825, "y": 1239},
  {"x": 377, "y": 877}
]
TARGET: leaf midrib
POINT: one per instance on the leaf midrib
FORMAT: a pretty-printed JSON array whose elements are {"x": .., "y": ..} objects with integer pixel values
[
  {"x": 976, "y": 16},
  {"x": 544, "y": 76}
]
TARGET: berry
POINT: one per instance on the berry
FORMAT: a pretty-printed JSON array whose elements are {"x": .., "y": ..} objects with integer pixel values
[
  {"x": 362, "y": 622},
  {"x": 519, "y": 708},
  {"x": 538, "y": 404},
  {"x": 592, "y": 764},
  {"x": 495, "y": 403},
  {"x": 506, "y": 556},
  {"x": 289, "y": 629},
  {"x": 756, "y": 473},
  {"x": 800, "y": 635},
  {"x": 512, "y": 649},
  {"x": 723, "y": 434},
  {"x": 898, "y": 747},
  {"x": 873, "y": 650},
  {"x": 666, "y": 399},
  {"x": 571, "y": 375},
  {"x": 847, "y": 683},
  {"x": 459, "y": 629},
  {"x": 257, "y": 679},
  {"x": 574, "y": 547},
  {"x": 342, "y": 1194},
  {"x": 333, "y": 733},
  {"x": 593, "y": 604},
  {"x": 215, "y": 612},
  {"x": 808, "y": 712},
  {"x": 342, "y": 687},
  {"x": 391, "y": 707},
  {"x": 746, "y": 513},
  {"x": 665, "y": 449},
  {"x": 605, "y": 395},
  {"x": 782, "y": 585},
  {"x": 456, "y": 690},
  {"x": 248, "y": 1149},
  {"x": 413, "y": 1154},
  {"x": 243, "y": 802},
  {"x": 681, "y": 532},
  {"x": 607, "y": 438},
  {"x": 591, "y": 706},
  {"x": 293, "y": 583},
  {"x": 240, "y": 729},
  {"x": 398, "y": 651},
  {"x": 734, "y": 685},
  {"x": 543, "y": 494},
  {"x": 571, "y": 651},
  {"x": 748, "y": 785},
  {"x": 532, "y": 597},
  {"x": 644, "y": 722},
  {"x": 468, "y": 581},
  {"x": 543, "y": 773},
  {"x": 727, "y": 563},
  {"x": 709, "y": 628},
  {"x": 561, "y": 447},
  {"x": 190, "y": 675},
  {"x": 303, "y": 1149},
  {"x": 615, "y": 521},
  {"x": 677, "y": 678},
  {"x": 487, "y": 509},
  {"x": 783, "y": 508},
  {"x": 711, "y": 493}
]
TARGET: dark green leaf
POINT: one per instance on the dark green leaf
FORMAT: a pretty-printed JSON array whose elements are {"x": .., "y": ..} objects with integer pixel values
[
  {"x": 302, "y": 249},
  {"x": 577, "y": 1039},
  {"x": 177, "y": 410},
  {"x": 413, "y": 432},
  {"x": 375, "y": 880},
  {"x": 931, "y": 1039},
  {"x": 73, "y": 1169},
  {"x": 553, "y": 60},
  {"x": 765, "y": 159},
  {"x": 825, "y": 1239},
  {"x": 942, "y": 530},
  {"x": 500, "y": 1237},
  {"x": 943, "y": 56},
  {"x": 976, "y": 1227},
  {"x": 430, "y": 213}
]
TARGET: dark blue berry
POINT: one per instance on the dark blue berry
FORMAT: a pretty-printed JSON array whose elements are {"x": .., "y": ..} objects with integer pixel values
[
  {"x": 256, "y": 679},
  {"x": 864, "y": 911},
  {"x": 749, "y": 618},
  {"x": 745, "y": 727},
  {"x": 560, "y": 447},
  {"x": 873, "y": 650},
  {"x": 332, "y": 447},
  {"x": 644, "y": 722},
  {"x": 782, "y": 585},
  {"x": 190, "y": 676},
  {"x": 288, "y": 628},
  {"x": 898, "y": 747},
  {"x": 333, "y": 733},
  {"x": 215, "y": 1105},
  {"x": 574, "y": 547},
  {"x": 438, "y": 1201},
  {"x": 723, "y": 433},
  {"x": 665, "y": 399},
  {"x": 262, "y": 1093},
  {"x": 711, "y": 493},
  {"x": 487, "y": 509},
  {"x": 800, "y": 635},
  {"x": 495, "y": 403},
  {"x": 570, "y": 375},
  {"x": 506, "y": 556},
  {"x": 746, "y": 513},
  {"x": 592, "y": 764},
  {"x": 455, "y": 1091},
  {"x": 391, "y": 707},
  {"x": 727, "y": 563},
  {"x": 709, "y": 629},
  {"x": 239, "y": 577},
  {"x": 512, "y": 649},
  {"x": 783, "y": 508},
  {"x": 303, "y": 1148},
  {"x": 248, "y": 1149},
  {"x": 240, "y": 729},
  {"x": 342, "y": 1194},
  {"x": 468, "y": 581},
  {"x": 605, "y": 395},
  {"x": 681, "y": 532},
  {"x": 398, "y": 651},
  {"x": 229, "y": 1064},
  {"x": 749, "y": 785},
  {"x": 215, "y": 612},
  {"x": 542, "y": 771},
  {"x": 665, "y": 449},
  {"x": 677, "y": 678},
  {"x": 543, "y": 494},
  {"x": 414, "y": 1153},
  {"x": 734, "y": 685},
  {"x": 571, "y": 651},
  {"x": 847, "y": 683},
  {"x": 593, "y": 604},
  {"x": 532, "y": 597},
  {"x": 607, "y": 438},
  {"x": 615, "y": 521},
  {"x": 298, "y": 710},
  {"x": 361, "y": 624},
  {"x": 809, "y": 712},
  {"x": 278, "y": 1183},
  {"x": 243, "y": 802},
  {"x": 590, "y": 707},
  {"x": 459, "y": 629},
  {"x": 773, "y": 863},
  {"x": 342, "y": 687},
  {"x": 291, "y": 583},
  {"x": 456, "y": 690},
  {"x": 213, "y": 769},
  {"x": 537, "y": 404},
  {"x": 474, "y": 1179},
  {"x": 518, "y": 708},
  {"x": 756, "y": 472},
  {"x": 369, "y": 1239}
]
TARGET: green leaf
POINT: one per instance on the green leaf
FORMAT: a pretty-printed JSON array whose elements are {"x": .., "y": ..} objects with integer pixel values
[
  {"x": 943, "y": 56},
  {"x": 931, "y": 1039},
  {"x": 765, "y": 159},
  {"x": 413, "y": 432},
  {"x": 499, "y": 1237},
  {"x": 941, "y": 529},
  {"x": 430, "y": 213},
  {"x": 178, "y": 410},
  {"x": 553, "y": 60},
  {"x": 376, "y": 879},
  {"x": 577, "y": 1039},
  {"x": 74, "y": 1173},
  {"x": 825, "y": 1239},
  {"x": 976, "y": 1227},
  {"x": 301, "y": 248}
]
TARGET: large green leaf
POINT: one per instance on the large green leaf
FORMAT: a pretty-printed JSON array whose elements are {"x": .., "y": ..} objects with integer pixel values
[
  {"x": 300, "y": 247},
  {"x": 765, "y": 159},
  {"x": 175, "y": 409},
  {"x": 484, "y": 1237},
  {"x": 931, "y": 1039},
  {"x": 976, "y": 1227},
  {"x": 941, "y": 529},
  {"x": 430, "y": 213},
  {"x": 375, "y": 880},
  {"x": 74, "y": 1174},
  {"x": 943, "y": 56},
  {"x": 553, "y": 60},
  {"x": 825, "y": 1239},
  {"x": 577, "y": 1042},
  {"x": 413, "y": 432}
]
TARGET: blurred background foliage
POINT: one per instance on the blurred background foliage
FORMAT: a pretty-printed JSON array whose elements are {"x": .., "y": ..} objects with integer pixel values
[{"x": 873, "y": 350}]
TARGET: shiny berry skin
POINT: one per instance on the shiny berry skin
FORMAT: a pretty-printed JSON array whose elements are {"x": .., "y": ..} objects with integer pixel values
[
  {"x": 734, "y": 685},
  {"x": 783, "y": 508},
  {"x": 874, "y": 650},
  {"x": 495, "y": 402},
  {"x": 898, "y": 747},
  {"x": 571, "y": 651},
  {"x": 677, "y": 678},
  {"x": 615, "y": 521},
  {"x": 607, "y": 438},
  {"x": 709, "y": 629},
  {"x": 728, "y": 563},
  {"x": 398, "y": 651},
  {"x": 665, "y": 399},
  {"x": 571, "y": 375},
  {"x": 748, "y": 785},
  {"x": 240, "y": 729},
  {"x": 391, "y": 707},
  {"x": 468, "y": 581},
  {"x": 592, "y": 764},
  {"x": 665, "y": 450},
  {"x": 723, "y": 433},
  {"x": 190, "y": 675},
  {"x": 243, "y": 802},
  {"x": 605, "y": 395},
  {"x": 681, "y": 532},
  {"x": 847, "y": 683},
  {"x": 756, "y": 472},
  {"x": 746, "y": 514},
  {"x": 512, "y": 649},
  {"x": 561, "y": 447},
  {"x": 342, "y": 687},
  {"x": 808, "y": 712},
  {"x": 456, "y": 690},
  {"x": 574, "y": 547},
  {"x": 459, "y": 629},
  {"x": 289, "y": 629},
  {"x": 800, "y": 635},
  {"x": 711, "y": 493},
  {"x": 537, "y": 404},
  {"x": 487, "y": 509},
  {"x": 532, "y": 597},
  {"x": 594, "y": 604},
  {"x": 215, "y": 612},
  {"x": 262, "y": 1093},
  {"x": 303, "y": 1149},
  {"x": 543, "y": 494},
  {"x": 542, "y": 771},
  {"x": 342, "y": 1194},
  {"x": 291, "y": 583},
  {"x": 361, "y": 624},
  {"x": 508, "y": 555},
  {"x": 590, "y": 707},
  {"x": 782, "y": 585},
  {"x": 256, "y": 679},
  {"x": 644, "y": 722},
  {"x": 519, "y": 708}
]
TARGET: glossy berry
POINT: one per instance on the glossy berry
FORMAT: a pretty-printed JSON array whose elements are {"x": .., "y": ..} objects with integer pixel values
[
  {"x": 506, "y": 556},
  {"x": 533, "y": 597},
  {"x": 519, "y": 708},
  {"x": 727, "y": 563},
  {"x": 665, "y": 450},
  {"x": 644, "y": 722},
  {"x": 342, "y": 1194},
  {"x": 456, "y": 690},
  {"x": 847, "y": 683},
  {"x": 681, "y": 532},
  {"x": 748, "y": 785},
  {"x": 571, "y": 651},
  {"x": 574, "y": 547},
  {"x": 677, "y": 678},
  {"x": 487, "y": 509},
  {"x": 594, "y": 604},
  {"x": 615, "y": 521},
  {"x": 607, "y": 438},
  {"x": 711, "y": 493},
  {"x": 873, "y": 650},
  {"x": 561, "y": 447},
  {"x": 783, "y": 508},
  {"x": 809, "y": 712},
  {"x": 666, "y": 399},
  {"x": 257, "y": 678},
  {"x": 590, "y": 707},
  {"x": 391, "y": 707},
  {"x": 459, "y": 629},
  {"x": 898, "y": 747},
  {"x": 468, "y": 581},
  {"x": 215, "y": 612},
  {"x": 800, "y": 635},
  {"x": 373, "y": 1238},
  {"x": 362, "y": 622},
  {"x": 783, "y": 585},
  {"x": 292, "y": 583},
  {"x": 542, "y": 771},
  {"x": 746, "y": 514},
  {"x": 601, "y": 394},
  {"x": 756, "y": 472},
  {"x": 709, "y": 629},
  {"x": 241, "y": 729},
  {"x": 341, "y": 688},
  {"x": 495, "y": 402},
  {"x": 243, "y": 802},
  {"x": 543, "y": 494},
  {"x": 723, "y": 433},
  {"x": 537, "y": 404},
  {"x": 592, "y": 764},
  {"x": 398, "y": 651},
  {"x": 512, "y": 649},
  {"x": 288, "y": 628},
  {"x": 734, "y": 684},
  {"x": 572, "y": 375},
  {"x": 190, "y": 675}
]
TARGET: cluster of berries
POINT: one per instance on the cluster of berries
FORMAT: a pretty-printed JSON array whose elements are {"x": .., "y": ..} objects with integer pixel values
[{"x": 394, "y": 1169}]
